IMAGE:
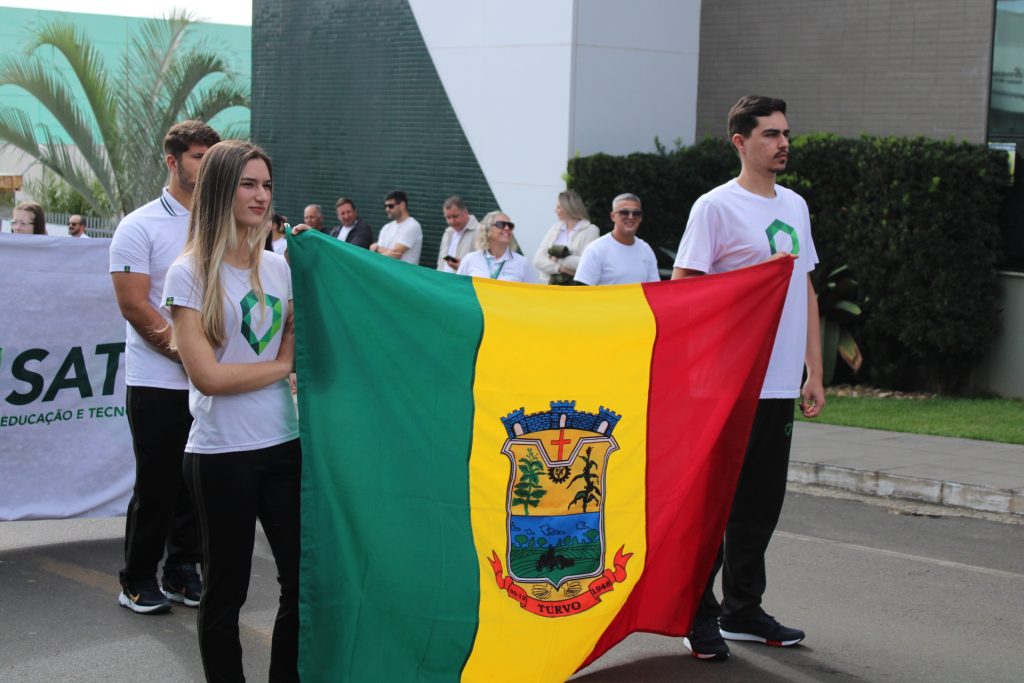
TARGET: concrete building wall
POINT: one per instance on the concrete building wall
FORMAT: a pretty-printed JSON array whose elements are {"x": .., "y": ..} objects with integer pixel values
[
  {"x": 885, "y": 67},
  {"x": 483, "y": 98}
]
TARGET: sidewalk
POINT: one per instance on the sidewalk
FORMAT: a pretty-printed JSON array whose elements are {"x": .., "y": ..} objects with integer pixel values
[{"x": 979, "y": 475}]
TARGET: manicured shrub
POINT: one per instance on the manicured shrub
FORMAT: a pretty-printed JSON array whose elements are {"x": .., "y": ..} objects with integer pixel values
[{"x": 916, "y": 221}]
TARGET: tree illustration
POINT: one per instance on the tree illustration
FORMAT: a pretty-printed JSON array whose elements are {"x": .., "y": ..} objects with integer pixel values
[
  {"x": 591, "y": 535},
  {"x": 521, "y": 540},
  {"x": 541, "y": 542},
  {"x": 529, "y": 491},
  {"x": 590, "y": 493}
]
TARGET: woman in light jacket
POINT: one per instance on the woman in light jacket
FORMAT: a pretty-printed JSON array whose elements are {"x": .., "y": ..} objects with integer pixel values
[{"x": 559, "y": 253}]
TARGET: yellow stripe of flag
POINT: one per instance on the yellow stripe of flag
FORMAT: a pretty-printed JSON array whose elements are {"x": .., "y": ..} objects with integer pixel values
[{"x": 597, "y": 354}]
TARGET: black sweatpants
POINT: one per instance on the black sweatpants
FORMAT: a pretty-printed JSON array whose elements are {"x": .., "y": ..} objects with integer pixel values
[
  {"x": 232, "y": 491},
  {"x": 160, "y": 512},
  {"x": 755, "y": 512}
]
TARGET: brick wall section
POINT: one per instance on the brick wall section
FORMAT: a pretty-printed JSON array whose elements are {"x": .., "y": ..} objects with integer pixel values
[
  {"x": 347, "y": 102},
  {"x": 885, "y": 67}
]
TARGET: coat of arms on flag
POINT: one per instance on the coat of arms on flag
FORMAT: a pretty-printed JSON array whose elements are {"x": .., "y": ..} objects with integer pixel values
[{"x": 555, "y": 504}]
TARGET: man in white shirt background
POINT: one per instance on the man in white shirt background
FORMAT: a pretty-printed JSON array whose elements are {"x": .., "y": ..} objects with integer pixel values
[
  {"x": 458, "y": 237},
  {"x": 620, "y": 257},
  {"x": 402, "y": 238},
  {"x": 76, "y": 226}
]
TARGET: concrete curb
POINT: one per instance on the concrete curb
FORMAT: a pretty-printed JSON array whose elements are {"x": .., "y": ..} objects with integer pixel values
[{"x": 885, "y": 485}]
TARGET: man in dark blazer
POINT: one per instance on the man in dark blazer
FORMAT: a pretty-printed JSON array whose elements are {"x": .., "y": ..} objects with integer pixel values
[{"x": 351, "y": 228}]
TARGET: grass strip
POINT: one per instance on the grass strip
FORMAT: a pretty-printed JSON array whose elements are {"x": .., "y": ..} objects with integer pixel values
[{"x": 985, "y": 419}]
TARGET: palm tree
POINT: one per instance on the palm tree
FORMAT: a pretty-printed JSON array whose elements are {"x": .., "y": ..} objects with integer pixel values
[{"x": 118, "y": 127}]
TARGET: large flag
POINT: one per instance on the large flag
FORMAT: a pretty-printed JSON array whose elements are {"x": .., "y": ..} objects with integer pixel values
[
  {"x": 501, "y": 481},
  {"x": 65, "y": 446}
]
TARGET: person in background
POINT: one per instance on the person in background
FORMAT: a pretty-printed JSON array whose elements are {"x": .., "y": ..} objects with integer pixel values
[
  {"x": 459, "y": 237},
  {"x": 351, "y": 228},
  {"x": 313, "y": 216},
  {"x": 559, "y": 252},
  {"x": 28, "y": 219},
  {"x": 276, "y": 241},
  {"x": 402, "y": 238},
  {"x": 620, "y": 257},
  {"x": 495, "y": 257},
  {"x": 231, "y": 308},
  {"x": 76, "y": 226}
]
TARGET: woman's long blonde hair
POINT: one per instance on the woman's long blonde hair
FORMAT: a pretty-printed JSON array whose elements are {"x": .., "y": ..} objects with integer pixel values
[{"x": 212, "y": 229}]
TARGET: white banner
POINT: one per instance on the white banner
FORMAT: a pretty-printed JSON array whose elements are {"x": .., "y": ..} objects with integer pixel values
[{"x": 65, "y": 447}]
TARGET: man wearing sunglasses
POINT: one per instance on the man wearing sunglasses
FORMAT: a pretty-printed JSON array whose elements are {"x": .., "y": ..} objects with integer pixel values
[
  {"x": 402, "y": 238},
  {"x": 620, "y": 257},
  {"x": 76, "y": 226}
]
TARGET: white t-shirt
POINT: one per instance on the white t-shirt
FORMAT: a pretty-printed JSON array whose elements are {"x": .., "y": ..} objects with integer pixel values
[
  {"x": 147, "y": 241},
  {"x": 606, "y": 261},
  {"x": 511, "y": 267},
  {"x": 279, "y": 245},
  {"x": 731, "y": 228},
  {"x": 255, "y": 419},
  {"x": 408, "y": 232},
  {"x": 343, "y": 233}
]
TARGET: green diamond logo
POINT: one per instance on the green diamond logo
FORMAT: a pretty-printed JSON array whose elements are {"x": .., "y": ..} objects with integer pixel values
[
  {"x": 774, "y": 229},
  {"x": 250, "y": 302}
]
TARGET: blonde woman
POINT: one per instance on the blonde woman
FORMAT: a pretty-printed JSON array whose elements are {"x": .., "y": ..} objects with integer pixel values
[
  {"x": 559, "y": 253},
  {"x": 230, "y": 304},
  {"x": 495, "y": 257}
]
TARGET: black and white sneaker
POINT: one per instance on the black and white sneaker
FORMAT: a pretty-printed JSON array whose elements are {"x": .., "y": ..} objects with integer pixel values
[
  {"x": 182, "y": 584},
  {"x": 143, "y": 597},
  {"x": 705, "y": 640},
  {"x": 761, "y": 628}
]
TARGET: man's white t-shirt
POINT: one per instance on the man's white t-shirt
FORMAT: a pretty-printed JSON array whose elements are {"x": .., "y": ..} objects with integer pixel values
[
  {"x": 147, "y": 241},
  {"x": 254, "y": 419},
  {"x": 607, "y": 261},
  {"x": 409, "y": 233},
  {"x": 511, "y": 267},
  {"x": 732, "y": 228}
]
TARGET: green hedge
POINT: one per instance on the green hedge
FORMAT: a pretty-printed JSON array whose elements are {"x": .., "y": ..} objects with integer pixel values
[{"x": 915, "y": 219}]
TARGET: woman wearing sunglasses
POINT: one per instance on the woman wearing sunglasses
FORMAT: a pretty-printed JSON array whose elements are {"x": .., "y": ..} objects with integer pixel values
[{"x": 495, "y": 257}]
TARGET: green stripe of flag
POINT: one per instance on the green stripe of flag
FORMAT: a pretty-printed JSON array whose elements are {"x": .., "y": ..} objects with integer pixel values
[{"x": 414, "y": 413}]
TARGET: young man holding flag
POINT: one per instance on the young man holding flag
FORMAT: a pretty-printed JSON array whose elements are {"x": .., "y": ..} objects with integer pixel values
[{"x": 746, "y": 221}]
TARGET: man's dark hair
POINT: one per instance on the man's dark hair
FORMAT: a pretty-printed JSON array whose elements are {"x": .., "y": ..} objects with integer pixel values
[
  {"x": 184, "y": 134},
  {"x": 743, "y": 115},
  {"x": 398, "y": 196},
  {"x": 345, "y": 200}
]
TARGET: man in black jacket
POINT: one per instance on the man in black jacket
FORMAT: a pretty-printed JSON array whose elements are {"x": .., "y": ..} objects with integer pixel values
[{"x": 351, "y": 228}]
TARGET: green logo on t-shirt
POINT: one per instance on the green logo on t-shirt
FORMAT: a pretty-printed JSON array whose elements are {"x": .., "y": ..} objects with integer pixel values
[
  {"x": 259, "y": 344},
  {"x": 774, "y": 229}
]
